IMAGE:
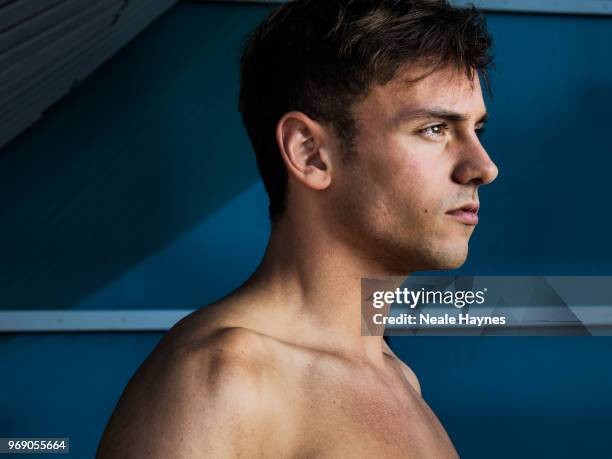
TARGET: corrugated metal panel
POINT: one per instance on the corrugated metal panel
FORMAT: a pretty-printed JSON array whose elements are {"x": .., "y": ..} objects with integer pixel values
[{"x": 47, "y": 46}]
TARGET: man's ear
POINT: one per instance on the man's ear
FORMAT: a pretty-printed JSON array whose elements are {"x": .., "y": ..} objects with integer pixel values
[{"x": 305, "y": 148}]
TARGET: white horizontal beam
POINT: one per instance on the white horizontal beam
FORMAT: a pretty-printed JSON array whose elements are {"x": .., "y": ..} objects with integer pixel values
[
  {"x": 20, "y": 321},
  {"x": 76, "y": 321},
  {"x": 598, "y": 7}
]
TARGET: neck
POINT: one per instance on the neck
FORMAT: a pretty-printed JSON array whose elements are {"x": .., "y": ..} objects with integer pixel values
[{"x": 314, "y": 282}]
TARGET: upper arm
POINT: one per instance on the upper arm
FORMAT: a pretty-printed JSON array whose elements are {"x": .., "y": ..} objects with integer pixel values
[{"x": 209, "y": 399}]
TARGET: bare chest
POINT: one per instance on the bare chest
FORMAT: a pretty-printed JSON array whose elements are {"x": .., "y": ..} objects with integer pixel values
[{"x": 367, "y": 420}]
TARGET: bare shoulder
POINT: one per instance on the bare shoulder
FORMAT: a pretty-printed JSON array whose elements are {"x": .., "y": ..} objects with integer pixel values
[
  {"x": 216, "y": 394},
  {"x": 411, "y": 376},
  {"x": 408, "y": 373}
]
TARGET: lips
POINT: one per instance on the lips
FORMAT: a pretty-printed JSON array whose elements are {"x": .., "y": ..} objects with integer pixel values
[{"x": 468, "y": 213}]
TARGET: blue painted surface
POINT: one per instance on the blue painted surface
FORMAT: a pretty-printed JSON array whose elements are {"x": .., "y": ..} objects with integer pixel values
[
  {"x": 140, "y": 190},
  {"x": 548, "y": 210},
  {"x": 67, "y": 385}
]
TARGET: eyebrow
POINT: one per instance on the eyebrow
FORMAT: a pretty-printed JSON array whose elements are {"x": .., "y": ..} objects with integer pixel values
[{"x": 429, "y": 113}]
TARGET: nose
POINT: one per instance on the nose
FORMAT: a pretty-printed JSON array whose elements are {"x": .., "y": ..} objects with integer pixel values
[{"x": 475, "y": 165}]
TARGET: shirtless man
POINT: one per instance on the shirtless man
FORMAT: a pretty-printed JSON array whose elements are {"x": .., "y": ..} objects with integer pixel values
[{"x": 364, "y": 116}]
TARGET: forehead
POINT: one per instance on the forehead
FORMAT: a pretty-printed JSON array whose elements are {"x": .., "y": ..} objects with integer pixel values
[{"x": 447, "y": 89}]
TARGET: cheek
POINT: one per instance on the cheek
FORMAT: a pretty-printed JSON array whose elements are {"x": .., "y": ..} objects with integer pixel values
[
  {"x": 417, "y": 186},
  {"x": 406, "y": 176}
]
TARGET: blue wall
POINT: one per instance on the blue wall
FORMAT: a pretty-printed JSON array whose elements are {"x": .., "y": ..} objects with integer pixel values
[{"x": 139, "y": 190}]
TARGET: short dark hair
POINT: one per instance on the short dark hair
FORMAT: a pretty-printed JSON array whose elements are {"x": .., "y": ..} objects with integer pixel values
[{"x": 319, "y": 57}]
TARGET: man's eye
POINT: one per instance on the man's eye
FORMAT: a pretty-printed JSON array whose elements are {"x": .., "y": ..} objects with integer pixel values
[
  {"x": 435, "y": 132},
  {"x": 480, "y": 131}
]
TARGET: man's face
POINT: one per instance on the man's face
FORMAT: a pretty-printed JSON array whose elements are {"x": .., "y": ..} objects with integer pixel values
[{"x": 418, "y": 158}]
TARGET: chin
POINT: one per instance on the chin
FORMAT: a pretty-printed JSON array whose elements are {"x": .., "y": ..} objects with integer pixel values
[
  {"x": 449, "y": 265},
  {"x": 447, "y": 258},
  {"x": 434, "y": 260}
]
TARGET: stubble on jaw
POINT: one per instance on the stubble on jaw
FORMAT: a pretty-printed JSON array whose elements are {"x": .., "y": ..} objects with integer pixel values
[
  {"x": 375, "y": 228},
  {"x": 397, "y": 232}
]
